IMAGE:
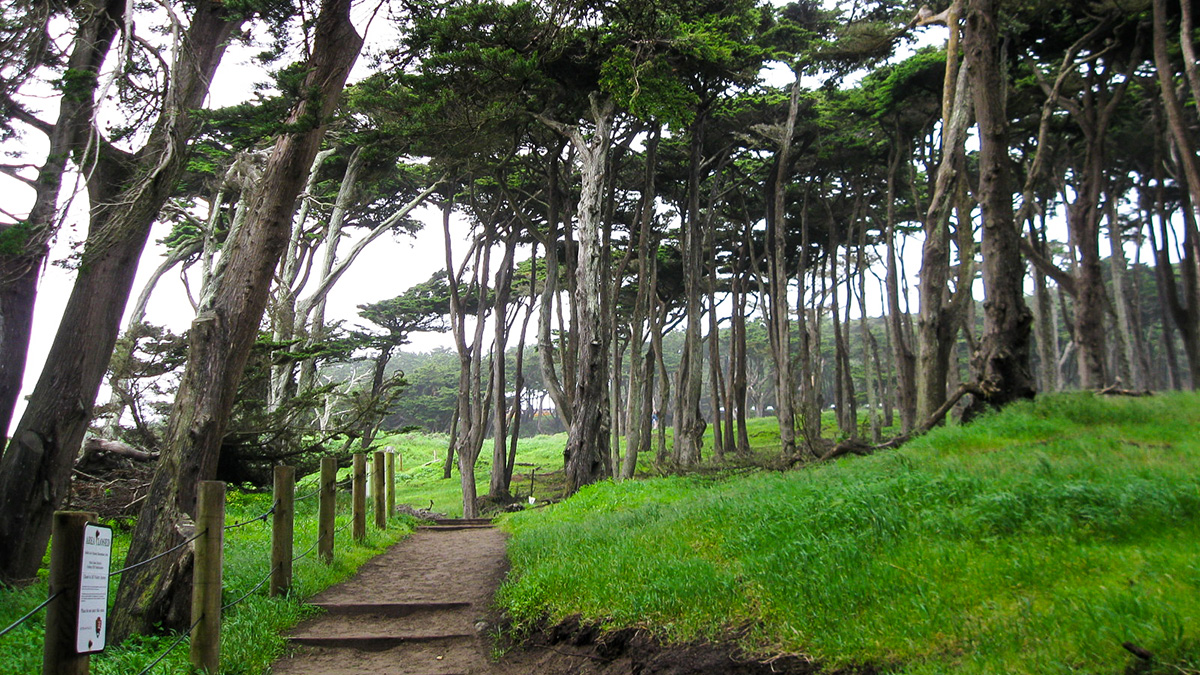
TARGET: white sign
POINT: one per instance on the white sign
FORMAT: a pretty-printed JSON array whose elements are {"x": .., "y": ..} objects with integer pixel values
[{"x": 92, "y": 625}]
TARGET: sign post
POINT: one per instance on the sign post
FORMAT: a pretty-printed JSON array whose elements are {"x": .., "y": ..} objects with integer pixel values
[
  {"x": 66, "y": 555},
  {"x": 91, "y": 626}
]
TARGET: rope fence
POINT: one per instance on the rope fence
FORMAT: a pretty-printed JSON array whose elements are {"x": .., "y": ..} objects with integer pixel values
[{"x": 66, "y": 557}]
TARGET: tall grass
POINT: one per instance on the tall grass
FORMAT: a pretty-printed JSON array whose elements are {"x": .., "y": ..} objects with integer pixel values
[
  {"x": 1038, "y": 540},
  {"x": 251, "y": 631}
]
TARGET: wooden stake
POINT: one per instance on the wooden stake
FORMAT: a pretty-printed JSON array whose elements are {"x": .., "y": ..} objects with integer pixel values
[
  {"x": 327, "y": 509},
  {"x": 359, "y": 498},
  {"x": 206, "y": 577},
  {"x": 282, "y": 527},
  {"x": 380, "y": 495},
  {"x": 391, "y": 483},
  {"x": 66, "y": 555}
]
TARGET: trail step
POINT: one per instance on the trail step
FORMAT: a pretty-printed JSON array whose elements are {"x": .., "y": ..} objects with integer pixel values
[
  {"x": 449, "y": 524},
  {"x": 391, "y": 609},
  {"x": 373, "y": 643}
]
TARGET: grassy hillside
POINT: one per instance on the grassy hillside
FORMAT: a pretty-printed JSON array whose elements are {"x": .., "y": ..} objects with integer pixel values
[{"x": 1038, "y": 540}]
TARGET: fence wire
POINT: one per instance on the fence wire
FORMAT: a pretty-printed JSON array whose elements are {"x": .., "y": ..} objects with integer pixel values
[
  {"x": 310, "y": 549},
  {"x": 255, "y": 519},
  {"x": 33, "y": 611},
  {"x": 147, "y": 561},
  {"x": 174, "y": 644},
  {"x": 247, "y": 593},
  {"x": 314, "y": 493}
]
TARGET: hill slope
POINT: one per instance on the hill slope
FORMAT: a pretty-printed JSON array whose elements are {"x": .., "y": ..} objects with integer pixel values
[{"x": 1039, "y": 540}]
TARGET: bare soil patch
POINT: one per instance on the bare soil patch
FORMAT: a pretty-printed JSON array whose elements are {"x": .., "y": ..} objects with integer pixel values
[{"x": 578, "y": 649}]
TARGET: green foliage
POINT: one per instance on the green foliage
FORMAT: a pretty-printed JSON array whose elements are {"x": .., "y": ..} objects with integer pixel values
[
  {"x": 913, "y": 81},
  {"x": 1037, "y": 540},
  {"x": 14, "y": 240},
  {"x": 77, "y": 85},
  {"x": 422, "y": 308},
  {"x": 649, "y": 89}
]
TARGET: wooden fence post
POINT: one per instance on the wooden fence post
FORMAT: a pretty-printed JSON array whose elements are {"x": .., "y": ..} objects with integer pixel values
[
  {"x": 327, "y": 508},
  {"x": 391, "y": 483},
  {"x": 380, "y": 495},
  {"x": 359, "y": 498},
  {"x": 66, "y": 555},
  {"x": 206, "y": 577},
  {"x": 282, "y": 526}
]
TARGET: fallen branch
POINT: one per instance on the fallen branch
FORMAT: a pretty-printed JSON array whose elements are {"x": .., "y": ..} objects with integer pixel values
[
  {"x": 98, "y": 446},
  {"x": 1140, "y": 652},
  {"x": 857, "y": 447},
  {"x": 1115, "y": 390}
]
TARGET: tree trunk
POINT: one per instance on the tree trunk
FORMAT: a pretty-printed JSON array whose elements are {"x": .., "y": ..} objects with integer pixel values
[
  {"x": 1176, "y": 119},
  {"x": 222, "y": 336},
  {"x": 546, "y": 349},
  {"x": 641, "y": 362},
  {"x": 1128, "y": 364},
  {"x": 689, "y": 422},
  {"x": 519, "y": 374},
  {"x": 128, "y": 191},
  {"x": 1183, "y": 304},
  {"x": 870, "y": 374},
  {"x": 847, "y": 411},
  {"x": 587, "y": 443},
  {"x": 738, "y": 358},
  {"x": 902, "y": 354},
  {"x": 1003, "y": 355},
  {"x": 26, "y": 242},
  {"x": 718, "y": 407},
  {"x": 938, "y": 322},
  {"x": 286, "y": 321},
  {"x": 662, "y": 395},
  {"x": 1046, "y": 328},
  {"x": 808, "y": 325},
  {"x": 777, "y": 308},
  {"x": 472, "y": 411},
  {"x": 126, "y": 345},
  {"x": 498, "y": 485}
]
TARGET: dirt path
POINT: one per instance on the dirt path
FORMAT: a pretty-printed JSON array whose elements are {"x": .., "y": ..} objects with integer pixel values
[
  {"x": 421, "y": 608},
  {"x": 424, "y": 608}
]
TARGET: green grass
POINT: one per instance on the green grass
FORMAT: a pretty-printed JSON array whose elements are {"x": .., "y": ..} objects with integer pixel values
[
  {"x": 251, "y": 630},
  {"x": 1035, "y": 541},
  {"x": 421, "y": 480}
]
